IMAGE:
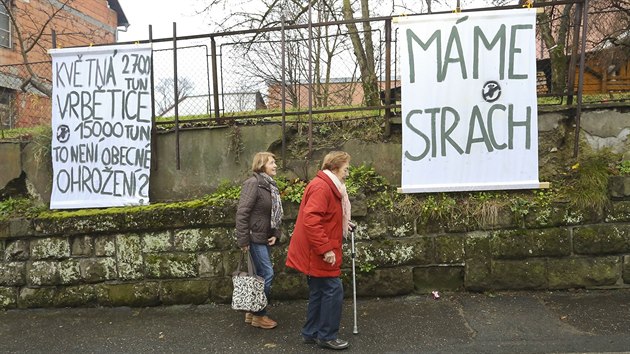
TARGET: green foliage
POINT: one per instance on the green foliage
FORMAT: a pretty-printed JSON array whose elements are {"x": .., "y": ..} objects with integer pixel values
[
  {"x": 225, "y": 192},
  {"x": 624, "y": 168},
  {"x": 18, "y": 207},
  {"x": 384, "y": 200},
  {"x": 587, "y": 186},
  {"x": 364, "y": 179},
  {"x": 544, "y": 197},
  {"x": 366, "y": 267},
  {"x": 520, "y": 207},
  {"x": 439, "y": 207},
  {"x": 525, "y": 203},
  {"x": 291, "y": 190}
]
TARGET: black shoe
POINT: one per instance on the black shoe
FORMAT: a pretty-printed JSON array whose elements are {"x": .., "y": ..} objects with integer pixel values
[
  {"x": 336, "y": 344},
  {"x": 308, "y": 340}
]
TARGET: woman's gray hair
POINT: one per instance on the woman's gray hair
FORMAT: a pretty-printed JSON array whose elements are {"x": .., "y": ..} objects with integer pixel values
[{"x": 334, "y": 160}]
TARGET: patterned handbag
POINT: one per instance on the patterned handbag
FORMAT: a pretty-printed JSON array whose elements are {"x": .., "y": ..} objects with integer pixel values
[{"x": 249, "y": 288}]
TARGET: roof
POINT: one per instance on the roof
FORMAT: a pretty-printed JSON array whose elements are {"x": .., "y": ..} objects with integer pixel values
[
  {"x": 122, "y": 18},
  {"x": 15, "y": 83}
]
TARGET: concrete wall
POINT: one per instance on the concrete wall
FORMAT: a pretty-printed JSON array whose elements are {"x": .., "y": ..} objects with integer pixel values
[
  {"x": 11, "y": 162},
  {"x": 206, "y": 160}
]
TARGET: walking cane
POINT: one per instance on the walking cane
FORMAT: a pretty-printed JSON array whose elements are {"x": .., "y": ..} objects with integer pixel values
[{"x": 354, "y": 284}]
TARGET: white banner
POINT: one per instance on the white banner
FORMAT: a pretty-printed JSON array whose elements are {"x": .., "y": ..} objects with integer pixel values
[
  {"x": 101, "y": 126},
  {"x": 469, "y": 101}
]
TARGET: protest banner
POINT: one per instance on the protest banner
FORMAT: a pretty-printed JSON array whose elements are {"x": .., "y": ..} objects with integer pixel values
[
  {"x": 469, "y": 111},
  {"x": 101, "y": 126}
]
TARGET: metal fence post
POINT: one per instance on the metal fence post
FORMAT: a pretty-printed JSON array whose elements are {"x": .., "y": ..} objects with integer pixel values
[
  {"x": 574, "y": 52},
  {"x": 154, "y": 149},
  {"x": 283, "y": 98},
  {"x": 215, "y": 82},
  {"x": 578, "y": 112},
  {"x": 176, "y": 94},
  {"x": 310, "y": 82},
  {"x": 388, "y": 75}
]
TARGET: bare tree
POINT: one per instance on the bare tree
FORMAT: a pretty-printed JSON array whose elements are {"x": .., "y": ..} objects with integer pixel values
[
  {"x": 329, "y": 41},
  {"x": 554, "y": 24},
  {"x": 363, "y": 51},
  {"x": 164, "y": 89}
]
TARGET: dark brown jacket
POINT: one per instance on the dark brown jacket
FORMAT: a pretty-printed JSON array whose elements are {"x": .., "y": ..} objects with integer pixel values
[{"x": 253, "y": 215}]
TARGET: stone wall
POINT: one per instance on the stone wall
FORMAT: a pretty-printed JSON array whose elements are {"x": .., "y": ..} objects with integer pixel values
[{"x": 185, "y": 256}]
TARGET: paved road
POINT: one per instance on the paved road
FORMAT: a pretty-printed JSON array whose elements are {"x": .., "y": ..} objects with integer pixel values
[{"x": 511, "y": 322}]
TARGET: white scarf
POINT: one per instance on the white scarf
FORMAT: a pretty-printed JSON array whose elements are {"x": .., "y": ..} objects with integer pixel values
[{"x": 345, "y": 201}]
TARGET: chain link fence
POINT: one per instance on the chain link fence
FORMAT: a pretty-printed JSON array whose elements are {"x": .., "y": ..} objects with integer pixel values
[
  {"x": 239, "y": 75},
  {"x": 24, "y": 101}
]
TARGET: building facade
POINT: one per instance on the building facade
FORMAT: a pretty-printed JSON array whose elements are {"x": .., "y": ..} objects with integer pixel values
[{"x": 28, "y": 29}]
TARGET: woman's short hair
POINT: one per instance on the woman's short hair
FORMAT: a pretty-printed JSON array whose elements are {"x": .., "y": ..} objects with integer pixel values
[
  {"x": 334, "y": 160},
  {"x": 260, "y": 160}
]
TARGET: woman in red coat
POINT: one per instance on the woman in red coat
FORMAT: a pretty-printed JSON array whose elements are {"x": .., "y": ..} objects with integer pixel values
[{"x": 315, "y": 249}]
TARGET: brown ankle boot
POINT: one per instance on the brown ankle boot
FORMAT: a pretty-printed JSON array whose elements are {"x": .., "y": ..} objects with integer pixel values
[
  {"x": 248, "y": 317},
  {"x": 263, "y": 322}
]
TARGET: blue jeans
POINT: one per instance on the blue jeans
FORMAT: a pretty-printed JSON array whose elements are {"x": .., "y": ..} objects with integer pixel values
[
  {"x": 325, "y": 302},
  {"x": 261, "y": 256}
]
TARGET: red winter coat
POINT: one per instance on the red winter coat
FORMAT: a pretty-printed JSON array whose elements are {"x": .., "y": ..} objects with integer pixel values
[{"x": 318, "y": 229}]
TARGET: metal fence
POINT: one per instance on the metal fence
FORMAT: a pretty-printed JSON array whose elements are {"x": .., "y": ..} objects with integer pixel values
[
  {"x": 311, "y": 69},
  {"x": 321, "y": 72},
  {"x": 23, "y": 98}
]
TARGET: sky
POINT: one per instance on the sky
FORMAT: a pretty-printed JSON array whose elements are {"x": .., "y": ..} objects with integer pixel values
[{"x": 161, "y": 14}]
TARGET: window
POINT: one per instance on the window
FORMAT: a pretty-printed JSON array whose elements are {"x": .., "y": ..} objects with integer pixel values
[{"x": 5, "y": 27}]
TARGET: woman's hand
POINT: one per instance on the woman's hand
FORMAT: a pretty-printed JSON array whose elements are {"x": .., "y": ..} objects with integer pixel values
[
  {"x": 329, "y": 257},
  {"x": 271, "y": 240}
]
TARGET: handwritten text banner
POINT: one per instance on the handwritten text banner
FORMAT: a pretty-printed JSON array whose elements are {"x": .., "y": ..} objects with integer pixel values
[
  {"x": 101, "y": 122},
  {"x": 469, "y": 111}
]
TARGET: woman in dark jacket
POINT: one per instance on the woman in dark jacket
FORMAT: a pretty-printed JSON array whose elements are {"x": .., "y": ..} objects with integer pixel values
[{"x": 258, "y": 219}]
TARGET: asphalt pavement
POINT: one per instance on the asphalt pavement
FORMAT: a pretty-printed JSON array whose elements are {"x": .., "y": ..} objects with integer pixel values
[{"x": 584, "y": 321}]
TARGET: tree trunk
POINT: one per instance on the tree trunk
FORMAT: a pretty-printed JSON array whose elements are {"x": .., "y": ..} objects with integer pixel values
[
  {"x": 556, "y": 47},
  {"x": 364, "y": 55}
]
